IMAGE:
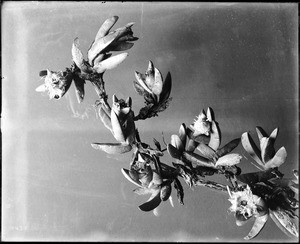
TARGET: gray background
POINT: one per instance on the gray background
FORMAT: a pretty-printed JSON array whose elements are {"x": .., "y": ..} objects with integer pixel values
[{"x": 240, "y": 59}]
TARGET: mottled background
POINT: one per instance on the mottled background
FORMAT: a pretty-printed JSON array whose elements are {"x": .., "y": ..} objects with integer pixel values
[{"x": 239, "y": 59}]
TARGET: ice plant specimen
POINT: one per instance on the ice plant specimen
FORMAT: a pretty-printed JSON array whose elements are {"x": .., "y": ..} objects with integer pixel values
[{"x": 196, "y": 150}]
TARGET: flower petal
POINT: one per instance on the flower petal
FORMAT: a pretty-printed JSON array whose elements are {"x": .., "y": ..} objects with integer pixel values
[
  {"x": 112, "y": 148},
  {"x": 121, "y": 46},
  {"x": 191, "y": 146},
  {"x": 258, "y": 225},
  {"x": 229, "y": 160},
  {"x": 252, "y": 149},
  {"x": 158, "y": 83},
  {"x": 110, "y": 63},
  {"x": 105, "y": 117},
  {"x": 260, "y": 132},
  {"x": 166, "y": 90},
  {"x": 165, "y": 192},
  {"x": 41, "y": 88},
  {"x": 150, "y": 75},
  {"x": 215, "y": 136},
  {"x": 278, "y": 159},
  {"x": 142, "y": 191}
]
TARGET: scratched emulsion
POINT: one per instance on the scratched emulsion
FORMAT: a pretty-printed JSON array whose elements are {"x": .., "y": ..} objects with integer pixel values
[{"x": 239, "y": 59}]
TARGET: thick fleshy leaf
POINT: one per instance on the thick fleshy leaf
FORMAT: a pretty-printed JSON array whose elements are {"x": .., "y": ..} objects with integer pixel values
[
  {"x": 278, "y": 159},
  {"x": 99, "y": 45},
  {"x": 79, "y": 88},
  {"x": 215, "y": 136},
  {"x": 260, "y": 132},
  {"x": 173, "y": 151},
  {"x": 158, "y": 83},
  {"x": 152, "y": 203},
  {"x": 191, "y": 146},
  {"x": 105, "y": 117},
  {"x": 258, "y": 225},
  {"x": 182, "y": 134},
  {"x": 252, "y": 149},
  {"x": 125, "y": 172},
  {"x": 165, "y": 192},
  {"x": 77, "y": 55},
  {"x": 106, "y": 26},
  {"x": 267, "y": 149},
  {"x": 112, "y": 148},
  {"x": 116, "y": 127},
  {"x": 121, "y": 46},
  {"x": 179, "y": 189},
  {"x": 150, "y": 76},
  {"x": 177, "y": 143},
  {"x": 284, "y": 222},
  {"x": 207, "y": 152},
  {"x": 141, "y": 80},
  {"x": 228, "y": 147},
  {"x": 197, "y": 159},
  {"x": 167, "y": 86},
  {"x": 43, "y": 73},
  {"x": 110, "y": 63},
  {"x": 229, "y": 160},
  {"x": 210, "y": 114}
]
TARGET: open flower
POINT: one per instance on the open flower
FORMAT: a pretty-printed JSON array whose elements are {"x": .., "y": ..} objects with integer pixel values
[
  {"x": 154, "y": 89},
  {"x": 246, "y": 205},
  {"x": 266, "y": 157},
  {"x": 149, "y": 181},
  {"x": 99, "y": 56},
  {"x": 202, "y": 124},
  {"x": 119, "y": 120},
  {"x": 55, "y": 83}
]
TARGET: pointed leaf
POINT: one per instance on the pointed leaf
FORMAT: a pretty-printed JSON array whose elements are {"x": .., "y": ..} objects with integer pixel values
[
  {"x": 106, "y": 26},
  {"x": 284, "y": 222},
  {"x": 274, "y": 134},
  {"x": 215, "y": 136},
  {"x": 229, "y": 160},
  {"x": 197, "y": 159},
  {"x": 207, "y": 152},
  {"x": 267, "y": 149},
  {"x": 116, "y": 127},
  {"x": 173, "y": 151},
  {"x": 179, "y": 189},
  {"x": 112, "y": 148},
  {"x": 176, "y": 142},
  {"x": 278, "y": 159},
  {"x": 121, "y": 46},
  {"x": 210, "y": 114},
  {"x": 126, "y": 173},
  {"x": 141, "y": 80},
  {"x": 110, "y": 63},
  {"x": 182, "y": 134},
  {"x": 259, "y": 223},
  {"x": 79, "y": 88},
  {"x": 99, "y": 45},
  {"x": 228, "y": 147},
  {"x": 251, "y": 148},
  {"x": 158, "y": 83},
  {"x": 152, "y": 203},
  {"x": 77, "y": 55},
  {"x": 260, "y": 132}
]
